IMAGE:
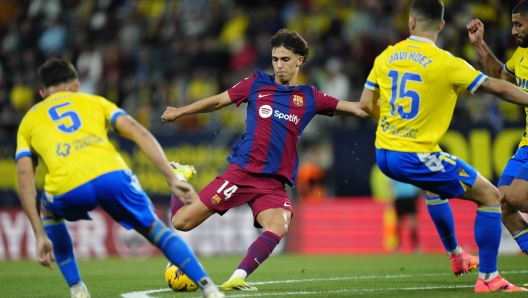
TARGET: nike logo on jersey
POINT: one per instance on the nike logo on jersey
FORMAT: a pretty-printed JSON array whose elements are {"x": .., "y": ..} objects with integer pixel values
[
  {"x": 263, "y": 95},
  {"x": 257, "y": 261},
  {"x": 286, "y": 204}
]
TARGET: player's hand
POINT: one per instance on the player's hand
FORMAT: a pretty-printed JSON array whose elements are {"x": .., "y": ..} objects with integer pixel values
[
  {"x": 170, "y": 114},
  {"x": 475, "y": 31},
  {"x": 184, "y": 191},
  {"x": 45, "y": 253}
]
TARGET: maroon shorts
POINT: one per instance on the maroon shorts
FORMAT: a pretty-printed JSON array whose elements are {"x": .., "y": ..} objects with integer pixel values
[{"x": 237, "y": 186}]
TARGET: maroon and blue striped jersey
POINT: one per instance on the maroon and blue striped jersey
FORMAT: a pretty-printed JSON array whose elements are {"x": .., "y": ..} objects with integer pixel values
[{"x": 276, "y": 117}]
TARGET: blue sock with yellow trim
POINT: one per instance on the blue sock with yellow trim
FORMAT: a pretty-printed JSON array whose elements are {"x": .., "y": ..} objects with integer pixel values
[
  {"x": 179, "y": 253},
  {"x": 442, "y": 216},
  {"x": 488, "y": 231},
  {"x": 522, "y": 239},
  {"x": 63, "y": 248}
]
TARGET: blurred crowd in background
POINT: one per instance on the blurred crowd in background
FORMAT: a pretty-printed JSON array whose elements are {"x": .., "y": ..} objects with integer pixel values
[{"x": 145, "y": 55}]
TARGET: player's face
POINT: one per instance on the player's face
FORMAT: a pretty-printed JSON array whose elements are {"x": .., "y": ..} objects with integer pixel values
[
  {"x": 285, "y": 65},
  {"x": 520, "y": 30}
]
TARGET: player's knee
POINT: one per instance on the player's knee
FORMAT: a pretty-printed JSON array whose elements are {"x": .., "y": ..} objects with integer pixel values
[
  {"x": 491, "y": 196},
  {"x": 181, "y": 225},
  {"x": 279, "y": 230}
]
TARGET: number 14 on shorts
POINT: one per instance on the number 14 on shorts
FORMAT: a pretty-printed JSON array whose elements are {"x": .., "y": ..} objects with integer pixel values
[{"x": 227, "y": 192}]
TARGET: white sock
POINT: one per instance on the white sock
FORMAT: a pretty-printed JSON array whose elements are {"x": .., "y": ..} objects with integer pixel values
[
  {"x": 207, "y": 286},
  {"x": 456, "y": 251},
  {"x": 238, "y": 273},
  {"x": 488, "y": 276},
  {"x": 78, "y": 287}
]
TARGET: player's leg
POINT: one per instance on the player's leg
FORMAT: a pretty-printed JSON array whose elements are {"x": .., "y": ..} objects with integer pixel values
[
  {"x": 190, "y": 216},
  {"x": 488, "y": 230},
  {"x": 442, "y": 216},
  {"x": 179, "y": 253},
  {"x": 514, "y": 221},
  {"x": 272, "y": 211},
  {"x": 427, "y": 171},
  {"x": 275, "y": 223},
  {"x": 511, "y": 218},
  {"x": 128, "y": 204},
  {"x": 71, "y": 206},
  {"x": 413, "y": 225},
  {"x": 400, "y": 217}
]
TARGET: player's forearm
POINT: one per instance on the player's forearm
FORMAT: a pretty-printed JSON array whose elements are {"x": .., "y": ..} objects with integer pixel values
[
  {"x": 28, "y": 198},
  {"x": 506, "y": 91},
  {"x": 347, "y": 108},
  {"x": 205, "y": 105},
  {"x": 487, "y": 58},
  {"x": 153, "y": 151}
]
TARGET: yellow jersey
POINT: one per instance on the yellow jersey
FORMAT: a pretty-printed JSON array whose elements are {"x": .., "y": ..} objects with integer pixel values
[
  {"x": 418, "y": 86},
  {"x": 518, "y": 66},
  {"x": 68, "y": 130}
]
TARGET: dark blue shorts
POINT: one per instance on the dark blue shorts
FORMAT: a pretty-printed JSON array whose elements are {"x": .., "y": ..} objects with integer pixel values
[
  {"x": 437, "y": 172},
  {"x": 118, "y": 193},
  {"x": 516, "y": 168}
]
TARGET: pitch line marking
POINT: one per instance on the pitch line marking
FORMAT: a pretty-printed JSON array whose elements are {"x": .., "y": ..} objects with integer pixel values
[{"x": 145, "y": 294}]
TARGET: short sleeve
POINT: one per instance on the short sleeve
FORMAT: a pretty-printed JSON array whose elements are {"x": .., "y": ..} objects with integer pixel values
[
  {"x": 111, "y": 111},
  {"x": 464, "y": 75},
  {"x": 24, "y": 140},
  {"x": 240, "y": 92},
  {"x": 324, "y": 103},
  {"x": 372, "y": 79},
  {"x": 509, "y": 67}
]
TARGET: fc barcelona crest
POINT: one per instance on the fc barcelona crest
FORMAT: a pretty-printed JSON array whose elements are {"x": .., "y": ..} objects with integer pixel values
[
  {"x": 216, "y": 199},
  {"x": 298, "y": 100}
]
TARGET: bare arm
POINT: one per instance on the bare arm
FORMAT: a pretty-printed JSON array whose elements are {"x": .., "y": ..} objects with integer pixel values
[
  {"x": 494, "y": 66},
  {"x": 369, "y": 103},
  {"x": 28, "y": 197},
  {"x": 205, "y": 105},
  {"x": 350, "y": 109},
  {"x": 131, "y": 129},
  {"x": 505, "y": 90}
]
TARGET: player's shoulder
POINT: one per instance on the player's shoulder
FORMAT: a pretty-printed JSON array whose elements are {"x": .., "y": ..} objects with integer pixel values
[{"x": 520, "y": 53}]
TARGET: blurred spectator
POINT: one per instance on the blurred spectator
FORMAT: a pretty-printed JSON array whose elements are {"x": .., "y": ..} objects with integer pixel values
[
  {"x": 132, "y": 50},
  {"x": 405, "y": 197}
]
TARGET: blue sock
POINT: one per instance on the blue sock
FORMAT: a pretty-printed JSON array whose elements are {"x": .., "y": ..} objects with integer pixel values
[
  {"x": 488, "y": 231},
  {"x": 177, "y": 251},
  {"x": 522, "y": 239},
  {"x": 63, "y": 248},
  {"x": 442, "y": 216}
]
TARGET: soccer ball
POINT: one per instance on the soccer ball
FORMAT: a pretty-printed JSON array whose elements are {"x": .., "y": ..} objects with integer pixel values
[{"x": 177, "y": 280}]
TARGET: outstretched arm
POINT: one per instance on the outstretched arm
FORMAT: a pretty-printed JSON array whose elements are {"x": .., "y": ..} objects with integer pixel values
[
  {"x": 205, "y": 105},
  {"x": 369, "y": 103},
  {"x": 494, "y": 66},
  {"x": 28, "y": 197},
  {"x": 505, "y": 90},
  {"x": 131, "y": 129},
  {"x": 348, "y": 108}
]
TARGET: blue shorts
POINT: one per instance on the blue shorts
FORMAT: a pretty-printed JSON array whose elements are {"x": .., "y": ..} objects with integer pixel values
[
  {"x": 516, "y": 168},
  {"x": 118, "y": 193},
  {"x": 437, "y": 172}
]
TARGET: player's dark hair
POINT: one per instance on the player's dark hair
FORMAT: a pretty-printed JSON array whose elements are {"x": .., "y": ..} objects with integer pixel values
[
  {"x": 428, "y": 12},
  {"x": 55, "y": 72},
  {"x": 522, "y": 9},
  {"x": 292, "y": 41}
]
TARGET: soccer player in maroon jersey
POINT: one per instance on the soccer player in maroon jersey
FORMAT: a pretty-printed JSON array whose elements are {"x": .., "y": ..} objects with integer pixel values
[{"x": 266, "y": 158}]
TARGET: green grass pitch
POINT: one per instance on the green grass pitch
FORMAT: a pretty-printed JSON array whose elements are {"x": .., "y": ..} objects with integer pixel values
[{"x": 280, "y": 276}]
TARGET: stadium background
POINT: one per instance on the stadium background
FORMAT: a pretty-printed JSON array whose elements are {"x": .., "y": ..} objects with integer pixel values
[{"x": 145, "y": 55}]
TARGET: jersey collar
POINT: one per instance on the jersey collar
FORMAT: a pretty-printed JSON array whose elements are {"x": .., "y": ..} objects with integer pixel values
[{"x": 421, "y": 39}]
